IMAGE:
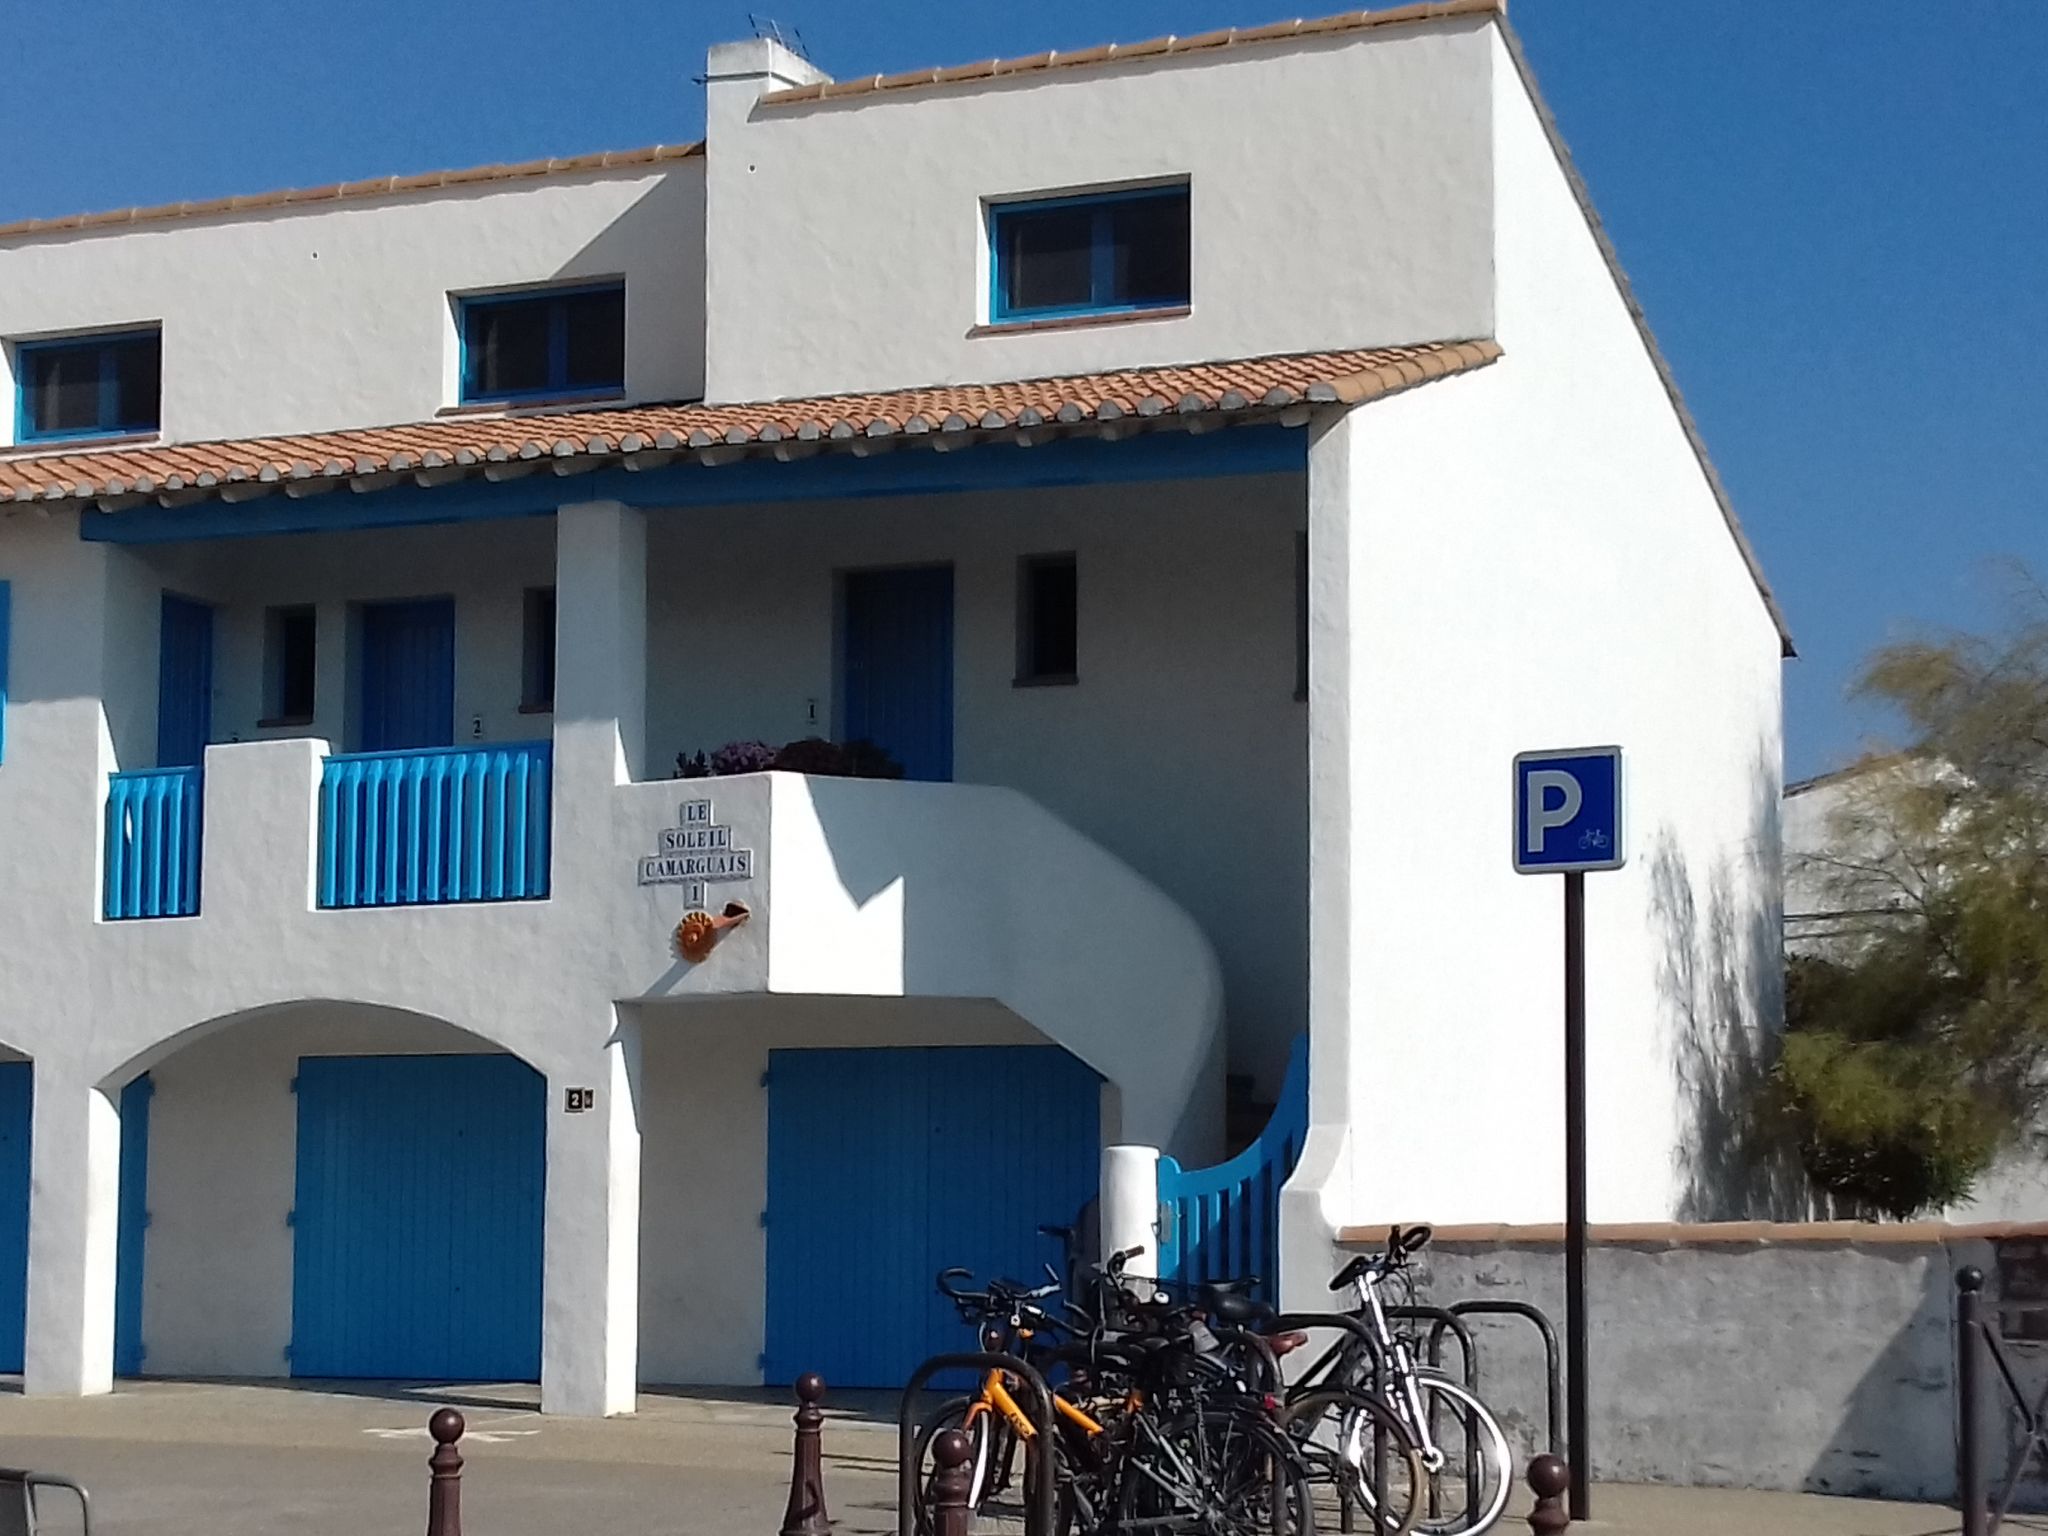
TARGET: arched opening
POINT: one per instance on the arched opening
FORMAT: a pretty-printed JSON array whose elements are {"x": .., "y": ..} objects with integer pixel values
[{"x": 322, "y": 1189}]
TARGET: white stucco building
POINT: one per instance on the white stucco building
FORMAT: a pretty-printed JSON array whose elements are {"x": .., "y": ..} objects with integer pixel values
[{"x": 1202, "y": 519}]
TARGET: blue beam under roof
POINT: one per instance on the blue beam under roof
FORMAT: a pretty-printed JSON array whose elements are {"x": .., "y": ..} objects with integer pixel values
[{"x": 906, "y": 471}]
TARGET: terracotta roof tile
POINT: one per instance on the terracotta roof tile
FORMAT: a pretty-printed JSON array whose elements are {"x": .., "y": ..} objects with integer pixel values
[
  {"x": 1243, "y": 387},
  {"x": 376, "y": 186},
  {"x": 1108, "y": 53}
]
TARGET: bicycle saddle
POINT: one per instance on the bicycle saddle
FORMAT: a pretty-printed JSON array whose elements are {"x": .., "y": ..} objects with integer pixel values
[{"x": 1231, "y": 1305}]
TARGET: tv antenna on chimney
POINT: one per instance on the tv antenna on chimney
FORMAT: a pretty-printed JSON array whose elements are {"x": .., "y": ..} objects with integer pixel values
[{"x": 769, "y": 29}]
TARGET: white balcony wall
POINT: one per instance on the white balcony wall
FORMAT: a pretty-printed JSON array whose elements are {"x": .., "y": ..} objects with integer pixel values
[
  {"x": 1182, "y": 749},
  {"x": 308, "y": 318},
  {"x": 1341, "y": 196}
]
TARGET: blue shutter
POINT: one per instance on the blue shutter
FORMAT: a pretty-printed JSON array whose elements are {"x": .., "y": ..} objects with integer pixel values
[
  {"x": 408, "y": 675},
  {"x": 17, "y": 1100},
  {"x": 896, "y": 661},
  {"x": 184, "y": 698}
]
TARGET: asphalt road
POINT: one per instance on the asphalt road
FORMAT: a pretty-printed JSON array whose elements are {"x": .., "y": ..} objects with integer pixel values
[{"x": 232, "y": 1459}]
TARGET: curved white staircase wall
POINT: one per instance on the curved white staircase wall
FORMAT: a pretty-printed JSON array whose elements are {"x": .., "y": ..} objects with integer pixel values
[{"x": 955, "y": 890}]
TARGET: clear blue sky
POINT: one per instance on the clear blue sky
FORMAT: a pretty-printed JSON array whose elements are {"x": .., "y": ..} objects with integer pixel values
[{"x": 1836, "y": 216}]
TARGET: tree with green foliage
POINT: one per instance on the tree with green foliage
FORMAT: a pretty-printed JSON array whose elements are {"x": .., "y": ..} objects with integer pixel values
[{"x": 1916, "y": 1045}]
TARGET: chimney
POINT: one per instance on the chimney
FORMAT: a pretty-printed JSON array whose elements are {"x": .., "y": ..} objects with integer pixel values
[{"x": 736, "y": 74}]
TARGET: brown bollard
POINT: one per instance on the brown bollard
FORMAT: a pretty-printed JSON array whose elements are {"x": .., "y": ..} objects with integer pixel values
[
  {"x": 949, "y": 1483},
  {"x": 444, "y": 1494},
  {"x": 805, "y": 1514},
  {"x": 1548, "y": 1479}
]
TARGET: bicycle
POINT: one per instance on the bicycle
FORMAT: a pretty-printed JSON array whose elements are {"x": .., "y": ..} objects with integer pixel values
[
  {"x": 1156, "y": 1426},
  {"x": 1468, "y": 1484}
]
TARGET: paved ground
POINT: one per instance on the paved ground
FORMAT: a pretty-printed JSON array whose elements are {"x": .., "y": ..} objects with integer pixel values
[{"x": 228, "y": 1459}]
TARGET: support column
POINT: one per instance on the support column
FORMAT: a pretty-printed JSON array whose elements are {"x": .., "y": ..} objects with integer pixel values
[
  {"x": 590, "y": 1312},
  {"x": 600, "y": 642},
  {"x": 1321, "y": 1180},
  {"x": 74, "y": 1198}
]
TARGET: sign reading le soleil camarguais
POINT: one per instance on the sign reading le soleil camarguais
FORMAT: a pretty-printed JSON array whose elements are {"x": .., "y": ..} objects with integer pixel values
[{"x": 697, "y": 853}]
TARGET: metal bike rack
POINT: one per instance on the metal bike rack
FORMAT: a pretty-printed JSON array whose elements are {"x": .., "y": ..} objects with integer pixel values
[
  {"x": 1553, "y": 1376},
  {"x": 1039, "y": 1500},
  {"x": 1345, "y": 1322},
  {"x": 18, "y": 1500},
  {"x": 1446, "y": 1320}
]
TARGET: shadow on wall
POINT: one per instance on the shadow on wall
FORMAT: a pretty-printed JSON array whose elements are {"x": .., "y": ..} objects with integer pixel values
[
  {"x": 1722, "y": 988},
  {"x": 979, "y": 865}
]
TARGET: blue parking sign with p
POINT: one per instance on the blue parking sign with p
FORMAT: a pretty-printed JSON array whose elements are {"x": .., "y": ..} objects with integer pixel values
[{"x": 1568, "y": 811}]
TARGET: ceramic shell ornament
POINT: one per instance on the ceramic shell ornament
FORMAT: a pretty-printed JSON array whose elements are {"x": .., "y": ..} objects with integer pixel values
[{"x": 699, "y": 932}]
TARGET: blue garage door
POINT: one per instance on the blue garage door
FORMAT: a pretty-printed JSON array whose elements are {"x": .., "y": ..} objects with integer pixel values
[
  {"x": 886, "y": 1166},
  {"x": 417, "y": 1229},
  {"x": 133, "y": 1226},
  {"x": 17, "y": 1083}
]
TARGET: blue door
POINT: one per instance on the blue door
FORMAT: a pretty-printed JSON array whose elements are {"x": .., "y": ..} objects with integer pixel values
[
  {"x": 184, "y": 688},
  {"x": 886, "y": 1166},
  {"x": 17, "y": 1090},
  {"x": 408, "y": 675},
  {"x": 896, "y": 666},
  {"x": 416, "y": 1242},
  {"x": 132, "y": 1225}
]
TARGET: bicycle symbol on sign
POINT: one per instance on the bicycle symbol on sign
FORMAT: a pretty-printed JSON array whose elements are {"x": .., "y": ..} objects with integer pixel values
[{"x": 1594, "y": 841}]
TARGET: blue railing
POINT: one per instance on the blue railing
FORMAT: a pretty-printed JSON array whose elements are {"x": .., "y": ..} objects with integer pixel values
[
  {"x": 153, "y": 818},
  {"x": 438, "y": 824},
  {"x": 1223, "y": 1223}
]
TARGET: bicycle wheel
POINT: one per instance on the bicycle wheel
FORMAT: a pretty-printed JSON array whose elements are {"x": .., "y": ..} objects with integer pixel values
[
  {"x": 996, "y": 1496},
  {"x": 1217, "y": 1472},
  {"x": 1364, "y": 1465},
  {"x": 1471, "y": 1472},
  {"x": 990, "y": 1444}
]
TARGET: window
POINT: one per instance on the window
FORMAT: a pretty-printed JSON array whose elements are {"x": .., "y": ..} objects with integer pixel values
[
  {"x": 558, "y": 341},
  {"x": 1121, "y": 252},
  {"x": 1048, "y": 615},
  {"x": 537, "y": 688},
  {"x": 88, "y": 386},
  {"x": 290, "y": 636}
]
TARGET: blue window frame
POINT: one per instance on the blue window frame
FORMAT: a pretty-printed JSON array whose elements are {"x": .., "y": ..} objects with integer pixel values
[
  {"x": 1107, "y": 254},
  {"x": 88, "y": 386},
  {"x": 547, "y": 342}
]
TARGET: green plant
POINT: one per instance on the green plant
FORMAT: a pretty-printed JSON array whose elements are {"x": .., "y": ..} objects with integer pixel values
[{"x": 1916, "y": 1047}]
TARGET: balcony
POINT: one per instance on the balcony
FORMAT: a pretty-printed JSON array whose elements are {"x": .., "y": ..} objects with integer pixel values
[
  {"x": 436, "y": 825},
  {"x": 152, "y": 851}
]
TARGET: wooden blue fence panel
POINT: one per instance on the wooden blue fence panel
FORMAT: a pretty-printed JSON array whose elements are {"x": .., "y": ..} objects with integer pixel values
[
  {"x": 1223, "y": 1222},
  {"x": 152, "y": 853},
  {"x": 438, "y": 824}
]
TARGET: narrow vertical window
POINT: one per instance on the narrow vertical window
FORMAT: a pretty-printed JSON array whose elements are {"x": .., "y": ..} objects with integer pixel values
[
  {"x": 1301, "y": 616},
  {"x": 537, "y": 686},
  {"x": 1048, "y": 620},
  {"x": 290, "y": 651}
]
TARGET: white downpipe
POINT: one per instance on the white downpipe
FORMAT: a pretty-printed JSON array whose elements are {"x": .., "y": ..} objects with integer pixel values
[{"x": 1130, "y": 1205}]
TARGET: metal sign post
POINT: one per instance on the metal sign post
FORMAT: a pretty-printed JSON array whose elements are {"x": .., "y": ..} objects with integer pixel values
[{"x": 1568, "y": 821}]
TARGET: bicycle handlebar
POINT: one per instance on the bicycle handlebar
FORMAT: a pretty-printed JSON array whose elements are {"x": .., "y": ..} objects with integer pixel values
[{"x": 1402, "y": 1245}]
